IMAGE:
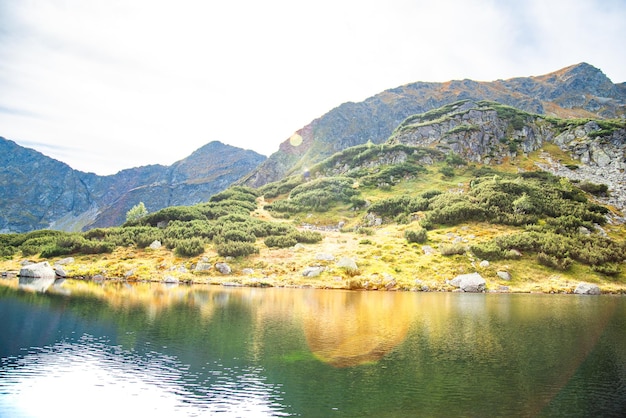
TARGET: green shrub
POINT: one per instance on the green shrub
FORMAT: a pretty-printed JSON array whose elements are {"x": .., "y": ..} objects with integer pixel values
[
  {"x": 452, "y": 249},
  {"x": 307, "y": 237},
  {"x": 594, "y": 189},
  {"x": 236, "y": 193},
  {"x": 284, "y": 241},
  {"x": 172, "y": 213},
  {"x": 608, "y": 269},
  {"x": 234, "y": 234},
  {"x": 488, "y": 251},
  {"x": 394, "y": 206},
  {"x": 447, "y": 171},
  {"x": 418, "y": 236},
  {"x": 281, "y": 187},
  {"x": 144, "y": 239},
  {"x": 317, "y": 195},
  {"x": 453, "y": 159},
  {"x": 136, "y": 212},
  {"x": 7, "y": 251},
  {"x": 554, "y": 262},
  {"x": 189, "y": 247},
  {"x": 236, "y": 249}
]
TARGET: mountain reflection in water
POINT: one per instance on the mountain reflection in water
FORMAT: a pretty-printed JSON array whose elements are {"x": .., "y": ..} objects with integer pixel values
[{"x": 134, "y": 349}]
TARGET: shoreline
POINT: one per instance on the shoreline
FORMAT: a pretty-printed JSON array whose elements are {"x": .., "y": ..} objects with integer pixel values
[{"x": 236, "y": 281}]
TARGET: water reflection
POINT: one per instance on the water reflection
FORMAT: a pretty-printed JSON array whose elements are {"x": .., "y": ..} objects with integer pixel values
[
  {"x": 346, "y": 329},
  {"x": 203, "y": 350},
  {"x": 91, "y": 378},
  {"x": 35, "y": 284}
]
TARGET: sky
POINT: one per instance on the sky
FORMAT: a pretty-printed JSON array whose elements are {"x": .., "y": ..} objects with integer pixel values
[{"x": 105, "y": 85}]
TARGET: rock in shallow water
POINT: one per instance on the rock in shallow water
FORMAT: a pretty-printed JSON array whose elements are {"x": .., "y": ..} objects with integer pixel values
[
  {"x": 587, "y": 289},
  {"x": 38, "y": 270},
  {"x": 472, "y": 282}
]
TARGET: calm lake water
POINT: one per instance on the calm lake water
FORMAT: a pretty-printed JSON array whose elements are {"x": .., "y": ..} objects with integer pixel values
[{"x": 147, "y": 350}]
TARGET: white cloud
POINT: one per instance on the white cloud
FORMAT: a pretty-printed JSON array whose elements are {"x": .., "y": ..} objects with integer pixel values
[{"x": 117, "y": 84}]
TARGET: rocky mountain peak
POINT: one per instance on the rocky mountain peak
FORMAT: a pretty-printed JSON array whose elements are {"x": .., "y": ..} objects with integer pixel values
[{"x": 578, "y": 91}]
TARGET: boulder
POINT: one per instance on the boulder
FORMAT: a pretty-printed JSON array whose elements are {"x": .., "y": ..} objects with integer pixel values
[
  {"x": 38, "y": 270},
  {"x": 587, "y": 289},
  {"x": 247, "y": 271},
  {"x": 312, "y": 271},
  {"x": 472, "y": 282},
  {"x": 64, "y": 261},
  {"x": 203, "y": 266},
  {"x": 504, "y": 275},
  {"x": 484, "y": 264},
  {"x": 156, "y": 244},
  {"x": 60, "y": 272},
  {"x": 428, "y": 250},
  {"x": 223, "y": 268},
  {"x": 347, "y": 263},
  {"x": 171, "y": 280}
]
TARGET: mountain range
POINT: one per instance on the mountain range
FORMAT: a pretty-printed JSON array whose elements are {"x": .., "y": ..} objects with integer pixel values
[
  {"x": 577, "y": 91},
  {"x": 40, "y": 192}
]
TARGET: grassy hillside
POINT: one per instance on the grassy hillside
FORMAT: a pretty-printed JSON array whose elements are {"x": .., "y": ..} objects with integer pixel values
[{"x": 373, "y": 217}]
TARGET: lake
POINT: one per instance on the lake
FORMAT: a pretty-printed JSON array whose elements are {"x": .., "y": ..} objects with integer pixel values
[{"x": 120, "y": 349}]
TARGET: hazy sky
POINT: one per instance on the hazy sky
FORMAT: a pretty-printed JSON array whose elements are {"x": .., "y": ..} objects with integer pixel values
[{"x": 105, "y": 85}]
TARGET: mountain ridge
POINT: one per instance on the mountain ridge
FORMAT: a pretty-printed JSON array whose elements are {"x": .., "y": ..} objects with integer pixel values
[
  {"x": 559, "y": 93},
  {"x": 41, "y": 192}
]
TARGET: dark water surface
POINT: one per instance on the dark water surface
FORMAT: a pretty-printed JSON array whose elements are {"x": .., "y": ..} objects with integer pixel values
[{"x": 116, "y": 350}]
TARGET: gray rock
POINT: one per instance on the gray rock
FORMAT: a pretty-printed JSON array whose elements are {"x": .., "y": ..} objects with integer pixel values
[
  {"x": 171, "y": 279},
  {"x": 587, "y": 289},
  {"x": 472, "y": 282},
  {"x": 203, "y": 266},
  {"x": 64, "y": 261},
  {"x": 504, "y": 275},
  {"x": 247, "y": 271},
  {"x": 299, "y": 247},
  {"x": 324, "y": 257},
  {"x": 60, "y": 272},
  {"x": 180, "y": 269},
  {"x": 223, "y": 268},
  {"x": 156, "y": 244},
  {"x": 513, "y": 253},
  {"x": 347, "y": 263},
  {"x": 391, "y": 284},
  {"x": 232, "y": 284},
  {"x": 484, "y": 264},
  {"x": 428, "y": 250},
  {"x": 38, "y": 270},
  {"x": 312, "y": 271}
]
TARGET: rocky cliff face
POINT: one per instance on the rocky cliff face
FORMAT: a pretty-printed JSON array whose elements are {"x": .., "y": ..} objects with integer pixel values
[
  {"x": 577, "y": 91},
  {"x": 487, "y": 132},
  {"x": 40, "y": 192},
  {"x": 482, "y": 132}
]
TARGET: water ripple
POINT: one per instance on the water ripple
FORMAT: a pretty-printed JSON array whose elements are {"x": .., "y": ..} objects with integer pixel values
[{"x": 88, "y": 377}]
